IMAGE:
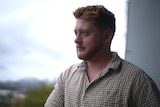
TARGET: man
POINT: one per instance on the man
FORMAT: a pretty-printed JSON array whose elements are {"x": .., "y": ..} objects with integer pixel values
[{"x": 103, "y": 79}]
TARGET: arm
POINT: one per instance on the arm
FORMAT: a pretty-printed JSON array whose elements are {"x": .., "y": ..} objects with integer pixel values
[
  {"x": 56, "y": 98},
  {"x": 145, "y": 92}
]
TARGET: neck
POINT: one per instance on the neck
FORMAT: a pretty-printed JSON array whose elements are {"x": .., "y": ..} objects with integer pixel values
[{"x": 98, "y": 63}]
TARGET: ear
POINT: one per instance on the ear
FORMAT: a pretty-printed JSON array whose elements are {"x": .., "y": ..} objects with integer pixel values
[{"x": 108, "y": 36}]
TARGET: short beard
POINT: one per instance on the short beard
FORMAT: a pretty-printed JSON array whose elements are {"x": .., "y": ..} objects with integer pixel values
[{"x": 91, "y": 53}]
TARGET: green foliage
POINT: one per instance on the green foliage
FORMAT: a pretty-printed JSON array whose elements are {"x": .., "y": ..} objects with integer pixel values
[
  {"x": 36, "y": 97},
  {"x": 5, "y": 101}
]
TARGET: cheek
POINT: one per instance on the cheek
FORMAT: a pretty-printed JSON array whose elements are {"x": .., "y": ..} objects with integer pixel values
[
  {"x": 95, "y": 45},
  {"x": 90, "y": 41}
]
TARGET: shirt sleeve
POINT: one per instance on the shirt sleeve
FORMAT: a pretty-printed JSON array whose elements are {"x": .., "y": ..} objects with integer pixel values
[
  {"x": 56, "y": 98},
  {"x": 145, "y": 92}
]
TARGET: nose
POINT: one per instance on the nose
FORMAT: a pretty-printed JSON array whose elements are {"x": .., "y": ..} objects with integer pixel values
[{"x": 78, "y": 39}]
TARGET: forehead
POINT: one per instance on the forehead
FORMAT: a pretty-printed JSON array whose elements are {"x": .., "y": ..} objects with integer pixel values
[{"x": 85, "y": 24}]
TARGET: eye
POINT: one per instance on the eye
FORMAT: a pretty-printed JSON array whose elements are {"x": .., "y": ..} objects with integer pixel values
[
  {"x": 81, "y": 33},
  {"x": 85, "y": 33}
]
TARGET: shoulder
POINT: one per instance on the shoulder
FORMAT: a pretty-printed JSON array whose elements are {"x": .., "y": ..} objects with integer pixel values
[
  {"x": 132, "y": 69},
  {"x": 117, "y": 63},
  {"x": 71, "y": 70},
  {"x": 143, "y": 87},
  {"x": 67, "y": 73},
  {"x": 138, "y": 76},
  {"x": 134, "y": 74},
  {"x": 125, "y": 68}
]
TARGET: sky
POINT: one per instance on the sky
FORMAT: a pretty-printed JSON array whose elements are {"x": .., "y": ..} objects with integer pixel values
[{"x": 37, "y": 38}]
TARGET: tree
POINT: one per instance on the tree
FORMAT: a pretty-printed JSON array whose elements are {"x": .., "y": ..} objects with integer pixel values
[{"x": 36, "y": 97}]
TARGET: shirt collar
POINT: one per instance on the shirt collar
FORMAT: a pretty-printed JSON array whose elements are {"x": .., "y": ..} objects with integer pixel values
[{"x": 113, "y": 64}]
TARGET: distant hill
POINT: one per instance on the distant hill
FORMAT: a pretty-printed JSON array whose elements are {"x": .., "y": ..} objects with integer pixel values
[{"x": 23, "y": 84}]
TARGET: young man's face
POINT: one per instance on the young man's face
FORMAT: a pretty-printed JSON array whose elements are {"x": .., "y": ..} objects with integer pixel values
[{"x": 89, "y": 39}]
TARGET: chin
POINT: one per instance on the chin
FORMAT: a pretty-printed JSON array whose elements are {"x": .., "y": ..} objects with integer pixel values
[
  {"x": 80, "y": 57},
  {"x": 83, "y": 57}
]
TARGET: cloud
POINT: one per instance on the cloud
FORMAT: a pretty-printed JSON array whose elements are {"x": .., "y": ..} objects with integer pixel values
[
  {"x": 20, "y": 53},
  {"x": 14, "y": 44}
]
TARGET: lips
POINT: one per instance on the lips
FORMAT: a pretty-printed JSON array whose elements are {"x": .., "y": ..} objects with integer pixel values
[{"x": 80, "y": 48}]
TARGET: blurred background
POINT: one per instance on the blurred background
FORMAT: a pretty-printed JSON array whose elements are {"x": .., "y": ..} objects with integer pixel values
[
  {"x": 37, "y": 43},
  {"x": 37, "y": 37}
]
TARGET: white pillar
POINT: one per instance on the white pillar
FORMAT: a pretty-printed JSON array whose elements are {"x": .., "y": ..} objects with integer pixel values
[{"x": 143, "y": 36}]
